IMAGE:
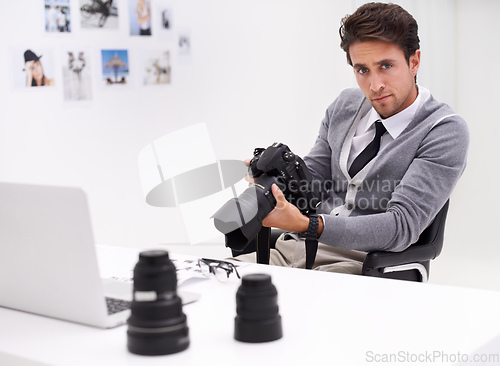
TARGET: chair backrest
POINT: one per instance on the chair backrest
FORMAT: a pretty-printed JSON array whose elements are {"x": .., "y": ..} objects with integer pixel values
[
  {"x": 427, "y": 247},
  {"x": 433, "y": 235}
]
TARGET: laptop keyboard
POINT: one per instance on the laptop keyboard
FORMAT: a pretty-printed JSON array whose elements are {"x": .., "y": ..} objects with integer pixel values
[{"x": 116, "y": 305}]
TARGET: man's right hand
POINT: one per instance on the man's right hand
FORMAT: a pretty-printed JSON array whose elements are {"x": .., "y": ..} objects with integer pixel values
[{"x": 248, "y": 178}]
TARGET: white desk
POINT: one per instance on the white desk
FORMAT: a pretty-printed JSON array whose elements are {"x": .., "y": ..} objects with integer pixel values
[{"x": 327, "y": 318}]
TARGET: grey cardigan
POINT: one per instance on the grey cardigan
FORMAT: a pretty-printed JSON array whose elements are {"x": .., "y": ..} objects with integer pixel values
[{"x": 394, "y": 198}]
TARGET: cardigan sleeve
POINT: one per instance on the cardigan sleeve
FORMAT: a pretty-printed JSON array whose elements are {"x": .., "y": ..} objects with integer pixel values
[{"x": 424, "y": 188}]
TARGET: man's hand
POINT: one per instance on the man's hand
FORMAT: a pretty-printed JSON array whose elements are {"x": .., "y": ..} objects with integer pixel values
[
  {"x": 285, "y": 216},
  {"x": 248, "y": 178}
]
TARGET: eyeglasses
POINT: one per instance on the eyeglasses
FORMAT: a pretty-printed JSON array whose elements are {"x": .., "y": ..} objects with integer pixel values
[{"x": 220, "y": 269}]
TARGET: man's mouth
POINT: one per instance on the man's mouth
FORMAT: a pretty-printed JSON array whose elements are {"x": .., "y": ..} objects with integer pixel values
[{"x": 381, "y": 99}]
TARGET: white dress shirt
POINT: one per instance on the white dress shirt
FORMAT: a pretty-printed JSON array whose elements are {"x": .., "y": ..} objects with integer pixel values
[{"x": 394, "y": 125}]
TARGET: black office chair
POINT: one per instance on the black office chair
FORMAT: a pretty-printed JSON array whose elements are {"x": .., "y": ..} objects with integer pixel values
[{"x": 412, "y": 264}]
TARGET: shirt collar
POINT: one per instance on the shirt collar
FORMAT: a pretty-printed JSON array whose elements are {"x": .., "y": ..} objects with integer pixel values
[{"x": 397, "y": 123}]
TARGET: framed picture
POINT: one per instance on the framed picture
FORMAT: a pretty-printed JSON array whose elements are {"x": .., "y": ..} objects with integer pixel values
[
  {"x": 57, "y": 16},
  {"x": 165, "y": 19},
  {"x": 99, "y": 14},
  {"x": 140, "y": 17},
  {"x": 114, "y": 67},
  {"x": 184, "y": 44},
  {"x": 155, "y": 67},
  {"x": 32, "y": 66},
  {"x": 76, "y": 76}
]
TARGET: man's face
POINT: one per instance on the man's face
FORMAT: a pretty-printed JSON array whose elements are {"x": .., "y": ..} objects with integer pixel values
[{"x": 384, "y": 76}]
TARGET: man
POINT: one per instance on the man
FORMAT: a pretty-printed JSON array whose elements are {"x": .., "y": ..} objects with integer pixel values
[
  {"x": 52, "y": 19},
  {"x": 387, "y": 156}
]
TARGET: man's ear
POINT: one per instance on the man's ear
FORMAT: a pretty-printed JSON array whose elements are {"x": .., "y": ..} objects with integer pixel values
[{"x": 414, "y": 62}]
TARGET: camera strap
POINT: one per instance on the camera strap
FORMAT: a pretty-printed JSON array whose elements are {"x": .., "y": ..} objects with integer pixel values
[
  {"x": 263, "y": 248},
  {"x": 263, "y": 245},
  {"x": 311, "y": 241},
  {"x": 311, "y": 249}
]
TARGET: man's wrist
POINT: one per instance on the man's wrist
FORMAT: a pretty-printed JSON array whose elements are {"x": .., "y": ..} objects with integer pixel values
[
  {"x": 321, "y": 225},
  {"x": 306, "y": 223}
]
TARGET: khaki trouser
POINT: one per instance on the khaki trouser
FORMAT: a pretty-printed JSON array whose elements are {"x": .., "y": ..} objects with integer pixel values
[{"x": 290, "y": 252}]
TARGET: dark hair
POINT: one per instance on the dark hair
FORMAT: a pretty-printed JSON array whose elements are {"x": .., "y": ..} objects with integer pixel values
[
  {"x": 33, "y": 81},
  {"x": 383, "y": 22}
]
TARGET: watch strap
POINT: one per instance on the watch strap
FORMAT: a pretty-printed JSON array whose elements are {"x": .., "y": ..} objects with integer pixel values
[{"x": 312, "y": 230}]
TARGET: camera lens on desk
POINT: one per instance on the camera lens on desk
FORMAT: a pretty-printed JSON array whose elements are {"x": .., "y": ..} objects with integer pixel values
[
  {"x": 157, "y": 325},
  {"x": 257, "y": 318}
]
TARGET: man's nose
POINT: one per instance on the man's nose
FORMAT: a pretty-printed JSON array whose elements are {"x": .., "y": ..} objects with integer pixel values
[{"x": 376, "y": 83}]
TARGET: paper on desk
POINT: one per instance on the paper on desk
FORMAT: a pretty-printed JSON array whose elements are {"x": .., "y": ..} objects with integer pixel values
[{"x": 117, "y": 263}]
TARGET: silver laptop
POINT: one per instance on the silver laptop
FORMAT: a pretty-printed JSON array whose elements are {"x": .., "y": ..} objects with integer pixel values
[{"x": 48, "y": 261}]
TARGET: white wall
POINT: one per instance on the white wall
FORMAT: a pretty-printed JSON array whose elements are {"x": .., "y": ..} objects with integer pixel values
[
  {"x": 473, "y": 244},
  {"x": 261, "y": 71}
]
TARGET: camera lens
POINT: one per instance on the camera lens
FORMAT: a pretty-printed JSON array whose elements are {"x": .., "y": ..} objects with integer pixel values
[
  {"x": 257, "y": 318},
  {"x": 240, "y": 219},
  {"x": 157, "y": 325}
]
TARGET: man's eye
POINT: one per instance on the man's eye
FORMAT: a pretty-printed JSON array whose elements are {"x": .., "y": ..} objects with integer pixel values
[
  {"x": 362, "y": 71},
  {"x": 386, "y": 66}
]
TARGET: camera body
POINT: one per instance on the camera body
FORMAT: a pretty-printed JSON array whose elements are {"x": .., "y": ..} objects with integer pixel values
[
  {"x": 291, "y": 173},
  {"x": 240, "y": 219}
]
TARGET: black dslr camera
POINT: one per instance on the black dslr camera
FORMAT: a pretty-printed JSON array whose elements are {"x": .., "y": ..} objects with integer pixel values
[{"x": 240, "y": 219}]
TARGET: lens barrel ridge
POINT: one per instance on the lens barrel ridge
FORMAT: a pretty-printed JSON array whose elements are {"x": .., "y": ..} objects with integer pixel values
[
  {"x": 157, "y": 324},
  {"x": 257, "y": 310}
]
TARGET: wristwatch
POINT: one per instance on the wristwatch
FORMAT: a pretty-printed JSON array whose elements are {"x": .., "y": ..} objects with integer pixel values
[{"x": 312, "y": 230}]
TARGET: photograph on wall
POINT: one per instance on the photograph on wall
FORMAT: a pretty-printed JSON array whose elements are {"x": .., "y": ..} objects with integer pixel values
[
  {"x": 184, "y": 45},
  {"x": 99, "y": 14},
  {"x": 77, "y": 83},
  {"x": 115, "y": 67},
  {"x": 165, "y": 17},
  {"x": 140, "y": 17},
  {"x": 155, "y": 67},
  {"x": 57, "y": 16},
  {"x": 32, "y": 67}
]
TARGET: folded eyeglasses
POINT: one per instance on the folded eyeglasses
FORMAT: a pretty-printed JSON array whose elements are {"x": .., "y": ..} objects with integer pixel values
[{"x": 216, "y": 268}]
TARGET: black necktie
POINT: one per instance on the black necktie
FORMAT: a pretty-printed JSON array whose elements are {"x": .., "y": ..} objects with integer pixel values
[{"x": 369, "y": 152}]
